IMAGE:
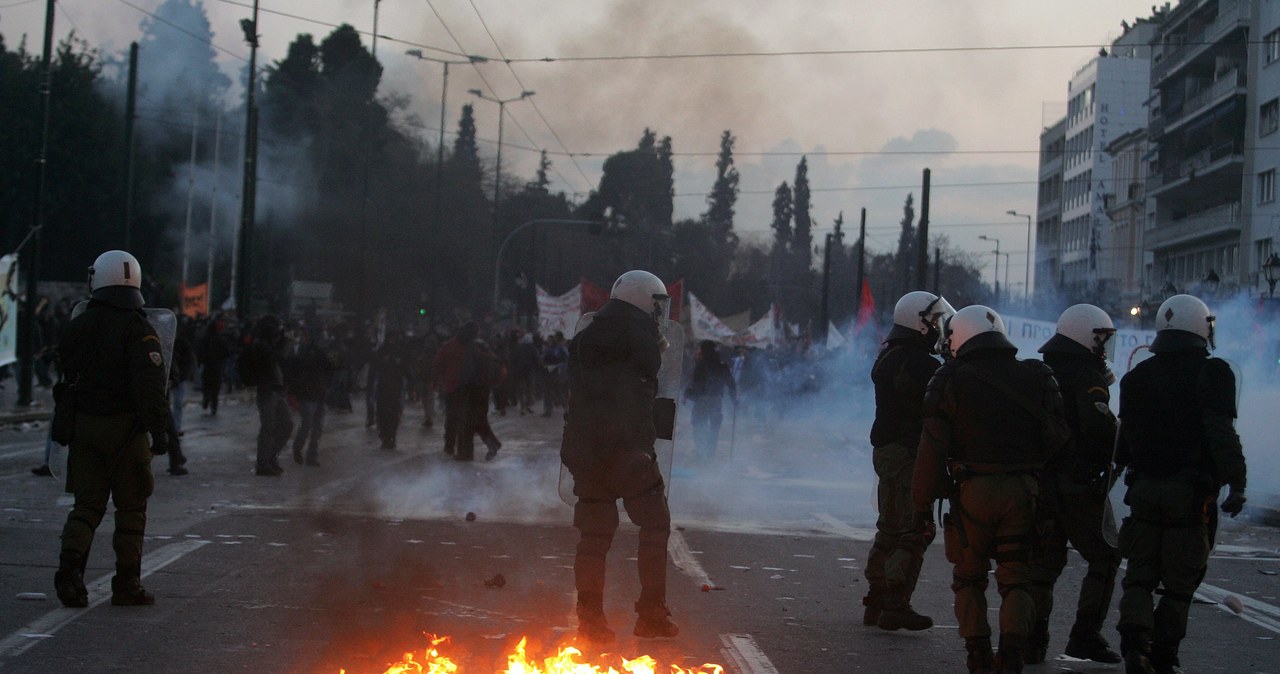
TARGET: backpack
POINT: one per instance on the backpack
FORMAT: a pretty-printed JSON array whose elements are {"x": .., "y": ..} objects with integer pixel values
[{"x": 250, "y": 366}]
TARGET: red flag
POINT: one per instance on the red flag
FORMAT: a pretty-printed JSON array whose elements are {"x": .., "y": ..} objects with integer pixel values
[
  {"x": 676, "y": 292},
  {"x": 593, "y": 296},
  {"x": 867, "y": 307}
]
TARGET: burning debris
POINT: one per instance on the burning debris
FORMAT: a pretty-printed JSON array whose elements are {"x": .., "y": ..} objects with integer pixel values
[{"x": 565, "y": 661}]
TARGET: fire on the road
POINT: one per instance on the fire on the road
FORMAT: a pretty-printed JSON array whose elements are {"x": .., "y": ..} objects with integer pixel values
[{"x": 566, "y": 661}]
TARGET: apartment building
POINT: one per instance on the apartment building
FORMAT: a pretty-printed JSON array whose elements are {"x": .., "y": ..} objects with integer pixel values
[
  {"x": 1201, "y": 188},
  {"x": 1077, "y": 254}
]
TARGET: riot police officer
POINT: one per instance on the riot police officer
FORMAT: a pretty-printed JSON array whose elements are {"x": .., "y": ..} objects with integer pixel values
[
  {"x": 1178, "y": 438},
  {"x": 990, "y": 422},
  {"x": 1075, "y": 483},
  {"x": 608, "y": 447},
  {"x": 113, "y": 362},
  {"x": 900, "y": 374}
]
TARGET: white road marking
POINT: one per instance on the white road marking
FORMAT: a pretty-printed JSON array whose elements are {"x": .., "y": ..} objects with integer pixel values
[
  {"x": 99, "y": 591},
  {"x": 684, "y": 560},
  {"x": 746, "y": 656},
  {"x": 1260, "y": 613},
  {"x": 842, "y": 529}
]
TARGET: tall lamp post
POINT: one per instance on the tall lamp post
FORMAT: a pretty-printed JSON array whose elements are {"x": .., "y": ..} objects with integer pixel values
[
  {"x": 996, "y": 276},
  {"x": 497, "y": 167},
  {"x": 1271, "y": 272},
  {"x": 444, "y": 93},
  {"x": 1026, "y": 288}
]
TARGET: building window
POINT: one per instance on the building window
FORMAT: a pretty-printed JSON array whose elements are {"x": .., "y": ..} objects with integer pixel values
[
  {"x": 1271, "y": 47},
  {"x": 1269, "y": 117},
  {"x": 1267, "y": 186}
]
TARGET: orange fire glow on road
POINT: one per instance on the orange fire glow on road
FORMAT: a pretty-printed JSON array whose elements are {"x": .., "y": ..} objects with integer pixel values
[{"x": 565, "y": 661}]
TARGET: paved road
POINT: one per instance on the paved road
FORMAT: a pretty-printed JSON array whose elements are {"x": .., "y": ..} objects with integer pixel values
[{"x": 347, "y": 565}]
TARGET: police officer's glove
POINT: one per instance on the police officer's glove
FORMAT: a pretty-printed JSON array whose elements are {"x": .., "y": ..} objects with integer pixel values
[
  {"x": 1234, "y": 502},
  {"x": 160, "y": 443}
]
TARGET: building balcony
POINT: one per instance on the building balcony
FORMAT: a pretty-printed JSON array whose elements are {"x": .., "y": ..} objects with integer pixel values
[
  {"x": 1214, "y": 168},
  {"x": 1171, "y": 119},
  {"x": 1206, "y": 224},
  {"x": 1232, "y": 14}
]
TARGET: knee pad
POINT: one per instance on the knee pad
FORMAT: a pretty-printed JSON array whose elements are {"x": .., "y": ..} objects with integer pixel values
[
  {"x": 595, "y": 517},
  {"x": 648, "y": 511},
  {"x": 978, "y": 583}
]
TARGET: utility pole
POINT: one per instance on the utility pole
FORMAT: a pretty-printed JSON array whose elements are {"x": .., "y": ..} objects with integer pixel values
[
  {"x": 825, "y": 319},
  {"x": 937, "y": 272},
  {"x": 27, "y": 317},
  {"x": 191, "y": 196},
  {"x": 242, "y": 281},
  {"x": 922, "y": 245},
  {"x": 130, "y": 116},
  {"x": 213, "y": 213},
  {"x": 862, "y": 255}
]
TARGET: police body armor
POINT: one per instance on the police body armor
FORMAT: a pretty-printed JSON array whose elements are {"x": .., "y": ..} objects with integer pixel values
[
  {"x": 666, "y": 403},
  {"x": 165, "y": 323}
]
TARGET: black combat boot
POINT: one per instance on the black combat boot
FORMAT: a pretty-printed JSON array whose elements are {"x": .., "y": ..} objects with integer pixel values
[
  {"x": 1012, "y": 653},
  {"x": 871, "y": 612},
  {"x": 980, "y": 660},
  {"x": 592, "y": 625},
  {"x": 126, "y": 587},
  {"x": 1090, "y": 646},
  {"x": 654, "y": 621},
  {"x": 896, "y": 614},
  {"x": 1135, "y": 648},
  {"x": 69, "y": 580},
  {"x": 1038, "y": 644},
  {"x": 1164, "y": 658}
]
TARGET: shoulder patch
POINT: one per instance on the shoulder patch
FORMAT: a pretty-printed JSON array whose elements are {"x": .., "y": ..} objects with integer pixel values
[
  {"x": 156, "y": 358},
  {"x": 152, "y": 338}
]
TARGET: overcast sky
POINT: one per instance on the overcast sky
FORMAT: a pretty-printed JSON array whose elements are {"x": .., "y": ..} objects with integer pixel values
[{"x": 978, "y": 79}]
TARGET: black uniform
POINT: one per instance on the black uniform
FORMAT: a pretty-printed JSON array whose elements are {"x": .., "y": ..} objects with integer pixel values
[
  {"x": 900, "y": 374},
  {"x": 608, "y": 446},
  {"x": 990, "y": 423},
  {"x": 1074, "y": 488},
  {"x": 113, "y": 358},
  {"x": 1177, "y": 412}
]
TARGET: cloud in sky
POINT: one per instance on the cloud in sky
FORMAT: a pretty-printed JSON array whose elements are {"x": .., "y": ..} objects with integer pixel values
[{"x": 928, "y": 76}]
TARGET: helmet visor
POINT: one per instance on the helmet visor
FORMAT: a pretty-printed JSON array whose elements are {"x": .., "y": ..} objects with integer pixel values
[
  {"x": 661, "y": 307},
  {"x": 937, "y": 313},
  {"x": 1104, "y": 340}
]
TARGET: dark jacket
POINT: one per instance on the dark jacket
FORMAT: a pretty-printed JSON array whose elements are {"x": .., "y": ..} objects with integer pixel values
[
  {"x": 307, "y": 373},
  {"x": 270, "y": 354},
  {"x": 1177, "y": 412},
  {"x": 900, "y": 374},
  {"x": 113, "y": 357},
  {"x": 1085, "y": 384},
  {"x": 711, "y": 378},
  {"x": 966, "y": 419},
  {"x": 613, "y": 370}
]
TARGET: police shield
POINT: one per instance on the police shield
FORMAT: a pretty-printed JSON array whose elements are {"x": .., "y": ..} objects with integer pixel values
[{"x": 669, "y": 378}]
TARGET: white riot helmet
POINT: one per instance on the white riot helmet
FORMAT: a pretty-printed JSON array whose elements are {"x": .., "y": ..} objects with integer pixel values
[
  {"x": 1182, "y": 321},
  {"x": 644, "y": 291},
  {"x": 1084, "y": 326},
  {"x": 116, "y": 278},
  {"x": 974, "y": 327},
  {"x": 919, "y": 313}
]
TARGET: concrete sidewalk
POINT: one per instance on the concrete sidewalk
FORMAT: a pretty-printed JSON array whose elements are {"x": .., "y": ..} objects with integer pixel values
[{"x": 11, "y": 413}]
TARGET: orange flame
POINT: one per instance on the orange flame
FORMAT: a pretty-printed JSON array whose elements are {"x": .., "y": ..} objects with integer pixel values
[{"x": 566, "y": 661}]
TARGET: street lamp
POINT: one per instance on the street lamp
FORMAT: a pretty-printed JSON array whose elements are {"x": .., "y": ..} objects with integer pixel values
[
  {"x": 594, "y": 225},
  {"x": 996, "y": 276},
  {"x": 1271, "y": 272},
  {"x": 1026, "y": 288},
  {"x": 497, "y": 167},
  {"x": 444, "y": 92}
]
